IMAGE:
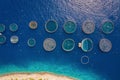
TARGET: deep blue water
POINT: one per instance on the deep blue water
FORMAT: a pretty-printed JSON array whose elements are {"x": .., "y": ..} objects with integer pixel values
[{"x": 21, "y": 58}]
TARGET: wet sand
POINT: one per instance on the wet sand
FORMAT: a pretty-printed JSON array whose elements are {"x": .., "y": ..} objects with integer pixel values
[{"x": 34, "y": 76}]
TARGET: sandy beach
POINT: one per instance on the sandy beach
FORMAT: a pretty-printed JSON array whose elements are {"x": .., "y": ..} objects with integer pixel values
[{"x": 34, "y": 76}]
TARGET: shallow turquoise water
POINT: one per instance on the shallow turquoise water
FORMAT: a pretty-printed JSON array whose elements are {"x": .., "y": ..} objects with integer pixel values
[{"x": 69, "y": 70}]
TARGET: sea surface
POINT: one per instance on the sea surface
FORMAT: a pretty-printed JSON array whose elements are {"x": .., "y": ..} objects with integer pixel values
[{"x": 21, "y": 58}]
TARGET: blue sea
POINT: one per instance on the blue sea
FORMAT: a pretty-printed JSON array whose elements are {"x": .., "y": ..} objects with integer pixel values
[{"x": 22, "y": 58}]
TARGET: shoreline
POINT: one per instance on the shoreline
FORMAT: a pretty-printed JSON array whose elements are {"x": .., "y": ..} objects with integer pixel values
[{"x": 34, "y": 76}]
